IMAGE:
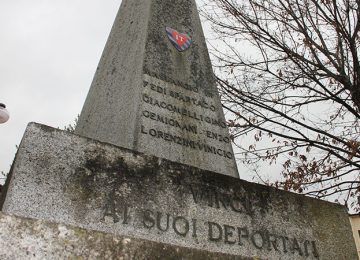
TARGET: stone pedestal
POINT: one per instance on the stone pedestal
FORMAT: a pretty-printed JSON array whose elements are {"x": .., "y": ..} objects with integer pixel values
[
  {"x": 64, "y": 178},
  {"x": 23, "y": 238}
]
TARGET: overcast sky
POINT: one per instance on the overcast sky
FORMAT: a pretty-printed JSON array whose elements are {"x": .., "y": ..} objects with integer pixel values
[{"x": 49, "y": 51}]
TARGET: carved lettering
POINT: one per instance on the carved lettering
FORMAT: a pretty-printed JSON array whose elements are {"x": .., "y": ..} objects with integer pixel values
[
  {"x": 110, "y": 212},
  {"x": 169, "y": 121},
  {"x": 272, "y": 241},
  {"x": 217, "y": 137},
  {"x": 186, "y": 142},
  {"x": 181, "y": 226},
  {"x": 163, "y": 222},
  {"x": 315, "y": 251},
  {"x": 126, "y": 215},
  {"x": 295, "y": 247},
  {"x": 158, "y": 89},
  {"x": 228, "y": 234},
  {"x": 306, "y": 249},
  {"x": 216, "y": 232},
  {"x": 115, "y": 213},
  {"x": 159, "y": 219},
  {"x": 148, "y": 220},
  {"x": 182, "y": 111},
  {"x": 284, "y": 243},
  {"x": 194, "y": 224},
  {"x": 211, "y": 197},
  {"x": 178, "y": 84},
  {"x": 243, "y": 232},
  {"x": 257, "y": 239},
  {"x": 191, "y": 100}
]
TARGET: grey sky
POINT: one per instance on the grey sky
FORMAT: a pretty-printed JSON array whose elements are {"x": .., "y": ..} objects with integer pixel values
[{"x": 49, "y": 52}]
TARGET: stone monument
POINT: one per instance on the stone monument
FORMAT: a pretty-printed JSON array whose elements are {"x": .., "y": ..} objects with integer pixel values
[
  {"x": 154, "y": 89},
  {"x": 150, "y": 172}
]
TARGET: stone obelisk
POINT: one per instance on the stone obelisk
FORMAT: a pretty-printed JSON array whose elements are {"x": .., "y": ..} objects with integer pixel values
[{"x": 154, "y": 90}]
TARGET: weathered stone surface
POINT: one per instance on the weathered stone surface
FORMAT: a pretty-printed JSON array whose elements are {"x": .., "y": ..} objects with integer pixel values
[
  {"x": 22, "y": 238},
  {"x": 149, "y": 97},
  {"x": 61, "y": 177}
]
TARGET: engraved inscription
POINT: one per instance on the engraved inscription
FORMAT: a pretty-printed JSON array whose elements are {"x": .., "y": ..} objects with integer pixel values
[
  {"x": 179, "y": 96},
  {"x": 211, "y": 197},
  {"x": 163, "y": 223},
  {"x": 219, "y": 137},
  {"x": 196, "y": 145},
  {"x": 178, "y": 84},
  {"x": 240, "y": 227},
  {"x": 260, "y": 239},
  {"x": 183, "y": 115},
  {"x": 169, "y": 121},
  {"x": 182, "y": 111}
]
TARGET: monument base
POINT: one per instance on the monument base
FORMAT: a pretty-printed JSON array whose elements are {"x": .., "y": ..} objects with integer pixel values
[
  {"x": 68, "y": 179},
  {"x": 22, "y": 238}
]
